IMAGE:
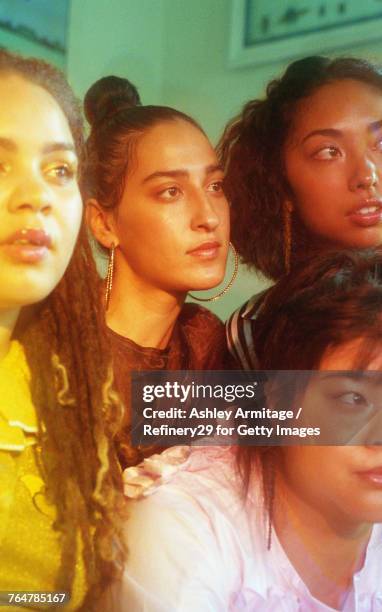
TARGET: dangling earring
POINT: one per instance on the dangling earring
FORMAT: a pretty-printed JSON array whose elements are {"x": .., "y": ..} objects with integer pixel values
[
  {"x": 229, "y": 284},
  {"x": 109, "y": 276},
  {"x": 269, "y": 474},
  {"x": 287, "y": 229}
]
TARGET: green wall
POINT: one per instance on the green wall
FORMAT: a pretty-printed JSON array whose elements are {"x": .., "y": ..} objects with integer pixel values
[
  {"x": 122, "y": 37},
  {"x": 176, "y": 52}
]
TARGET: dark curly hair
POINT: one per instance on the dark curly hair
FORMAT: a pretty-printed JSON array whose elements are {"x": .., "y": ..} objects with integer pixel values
[
  {"x": 252, "y": 153},
  {"x": 71, "y": 386}
]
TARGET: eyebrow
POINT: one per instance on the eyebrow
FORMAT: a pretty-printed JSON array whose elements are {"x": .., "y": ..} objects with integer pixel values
[
  {"x": 339, "y": 374},
  {"x": 324, "y": 132},
  {"x": 180, "y": 173},
  {"x": 375, "y": 126},
  {"x": 333, "y": 132},
  {"x": 10, "y": 145},
  {"x": 52, "y": 147},
  {"x": 358, "y": 375}
]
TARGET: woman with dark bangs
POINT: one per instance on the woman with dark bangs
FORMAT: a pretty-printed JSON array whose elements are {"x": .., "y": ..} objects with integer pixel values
[
  {"x": 157, "y": 208},
  {"x": 303, "y": 174},
  {"x": 291, "y": 528},
  {"x": 60, "y": 479}
]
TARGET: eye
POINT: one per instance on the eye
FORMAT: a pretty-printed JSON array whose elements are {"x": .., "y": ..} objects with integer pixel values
[
  {"x": 60, "y": 173},
  {"x": 171, "y": 193},
  {"x": 4, "y": 168},
  {"x": 353, "y": 399},
  {"x": 378, "y": 146},
  {"x": 328, "y": 153},
  {"x": 216, "y": 187}
]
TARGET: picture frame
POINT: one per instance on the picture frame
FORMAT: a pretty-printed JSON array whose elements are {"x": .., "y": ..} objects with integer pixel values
[
  {"x": 261, "y": 33},
  {"x": 36, "y": 27}
]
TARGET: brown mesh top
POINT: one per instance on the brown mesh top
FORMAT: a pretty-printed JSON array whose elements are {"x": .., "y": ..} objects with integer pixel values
[{"x": 197, "y": 343}]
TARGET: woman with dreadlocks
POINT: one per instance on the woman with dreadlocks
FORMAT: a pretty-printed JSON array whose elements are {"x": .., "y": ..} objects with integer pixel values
[
  {"x": 283, "y": 528},
  {"x": 59, "y": 477}
]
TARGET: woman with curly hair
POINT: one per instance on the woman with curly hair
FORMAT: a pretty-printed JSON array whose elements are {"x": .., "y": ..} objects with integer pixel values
[
  {"x": 60, "y": 479},
  {"x": 157, "y": 207},
  {"x": 286, "y": 528},
  {"x": 303, "y": 173}
]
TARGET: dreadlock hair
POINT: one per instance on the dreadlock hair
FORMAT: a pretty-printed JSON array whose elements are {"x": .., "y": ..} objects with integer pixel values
[
  {"x": 71, "y": 387},
  {"x": 251, "y": 151},
  {"x": 343, "y": 289}
]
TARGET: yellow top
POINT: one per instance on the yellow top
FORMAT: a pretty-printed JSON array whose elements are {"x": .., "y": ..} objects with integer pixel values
[{"x": 29, "y": 546}]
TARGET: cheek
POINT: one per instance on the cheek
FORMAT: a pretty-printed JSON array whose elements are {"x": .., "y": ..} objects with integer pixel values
[
  {"x": 304, "y": 464},
  {"x": 310, "y": 193},
  {"x": 70, "y": 220},
  {"x": 225, "y": 222},
  {"x": 315, "y": 185},
  {"x": 157, "y": 237}
]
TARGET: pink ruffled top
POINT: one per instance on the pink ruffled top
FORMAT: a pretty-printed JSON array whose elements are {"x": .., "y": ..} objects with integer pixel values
[{"x": 194, "y": 545}]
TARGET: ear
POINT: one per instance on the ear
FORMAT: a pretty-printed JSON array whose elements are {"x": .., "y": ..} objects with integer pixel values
[{"x": 100, "y": 222}]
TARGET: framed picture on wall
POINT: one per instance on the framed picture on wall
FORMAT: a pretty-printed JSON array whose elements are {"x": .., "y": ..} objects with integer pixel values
[
  {"x": 35, "y": 27},
  {"x": 264, "y": 31}
]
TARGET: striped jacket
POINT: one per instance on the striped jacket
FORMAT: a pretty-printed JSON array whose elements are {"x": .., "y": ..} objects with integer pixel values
[{"x": 239, "y": 329}]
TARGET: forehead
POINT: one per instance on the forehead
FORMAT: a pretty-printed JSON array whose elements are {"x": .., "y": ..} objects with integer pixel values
[
  {"x": 339, "y": 104},
  {"x": 346, "y": 356},
  {"x": 29, "y": 113},
  {"x": 173, "y": 144}
]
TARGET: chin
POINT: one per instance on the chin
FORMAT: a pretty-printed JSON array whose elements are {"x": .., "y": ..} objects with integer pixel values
[
  {"x": 27, "y": 295},
  {"x": 208, "y": 283},
  {"x": 365, "y": 239},
  {"x": 369, "y": 244},
  {"x": 207, "y": 279}
]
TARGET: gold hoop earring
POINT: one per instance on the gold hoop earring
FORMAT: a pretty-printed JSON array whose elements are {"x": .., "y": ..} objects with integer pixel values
[
  {"x": 229, "y": 284},
  {"x": 109, "y": 276},
  {"x": 287, "y": 230}
]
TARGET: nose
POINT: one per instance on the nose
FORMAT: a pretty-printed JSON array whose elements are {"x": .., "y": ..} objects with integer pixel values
[
  {"x": 30, "y": 194},
  {"x": 364, "y": 176},
  {"x": 204, "y": 215}
]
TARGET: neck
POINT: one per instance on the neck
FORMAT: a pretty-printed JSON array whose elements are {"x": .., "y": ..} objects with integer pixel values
[
  {"x": 8, "y": 320},
  {"x": 142, "y": 313},
  {"x": 325, "y": 551}
]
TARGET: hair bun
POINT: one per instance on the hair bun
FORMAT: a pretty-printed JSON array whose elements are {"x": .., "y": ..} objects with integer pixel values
[{"x": 108, "y": 96}]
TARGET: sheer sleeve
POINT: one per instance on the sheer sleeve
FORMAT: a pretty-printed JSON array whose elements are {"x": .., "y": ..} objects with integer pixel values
[{"x": 176, "y": 560}]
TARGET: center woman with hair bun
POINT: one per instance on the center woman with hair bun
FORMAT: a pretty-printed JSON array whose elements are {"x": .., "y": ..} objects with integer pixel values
[{"x": 157, "y": 208}]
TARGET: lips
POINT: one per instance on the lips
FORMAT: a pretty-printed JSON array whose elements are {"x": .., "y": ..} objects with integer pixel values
[
  {"x": 373, "y": 476},
  {"x": 36, "y": 237},
  {"x": 367, "y": 213},
  {"x": 27, "y": 245},
  {"x": 206, "y": 250}
]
